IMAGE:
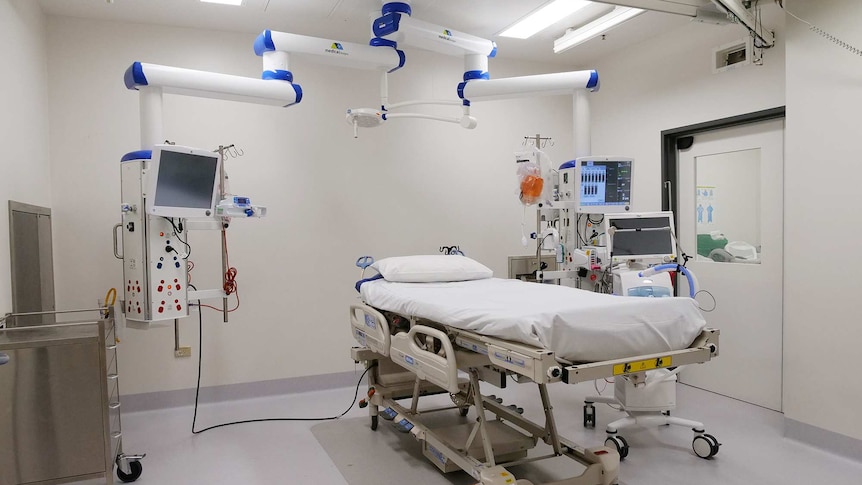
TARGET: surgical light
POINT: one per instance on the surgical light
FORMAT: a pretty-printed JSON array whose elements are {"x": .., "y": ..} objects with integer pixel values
[
  {"x": 595, "y": 28},
  {"x": 225, "y": 2},
  {"x": 543, "y": 18}
]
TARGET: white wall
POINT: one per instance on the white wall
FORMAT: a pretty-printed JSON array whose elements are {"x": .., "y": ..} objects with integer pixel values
[
  {"x": 405, "y": 188},
  {"x": 24, "y": 163},
  {"x": 822, "y": 320},
  {"x": 667, "y": 82}
]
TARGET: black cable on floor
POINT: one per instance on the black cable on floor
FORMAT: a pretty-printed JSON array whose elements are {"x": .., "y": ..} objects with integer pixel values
[{"x": 198, "y": 390}]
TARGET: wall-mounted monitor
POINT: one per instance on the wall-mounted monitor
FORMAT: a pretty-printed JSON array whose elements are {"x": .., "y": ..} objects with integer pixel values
[
  {"x": 183, "y": 182},
  {"x": 605, "y": 184},
  {"x": 645, "y": 236}
]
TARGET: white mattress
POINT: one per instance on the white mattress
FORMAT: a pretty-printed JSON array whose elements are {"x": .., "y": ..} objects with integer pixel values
[{"x": 577, "y": 325}]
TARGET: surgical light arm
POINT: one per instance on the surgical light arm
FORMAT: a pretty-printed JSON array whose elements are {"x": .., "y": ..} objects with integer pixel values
[
  {"x": 276, "y": 47},
  {"x": 536, "y": 85},
  {"x": 153, "y": 80}
]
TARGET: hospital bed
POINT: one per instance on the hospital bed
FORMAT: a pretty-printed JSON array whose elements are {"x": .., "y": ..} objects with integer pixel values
[{"x": 418, "y": 339}]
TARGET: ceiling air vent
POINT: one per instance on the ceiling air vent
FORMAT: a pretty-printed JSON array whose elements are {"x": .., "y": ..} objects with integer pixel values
[{"x": 732, "y": 55}]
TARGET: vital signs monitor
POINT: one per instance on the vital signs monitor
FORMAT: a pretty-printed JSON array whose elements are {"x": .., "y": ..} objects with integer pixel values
[{"x": 605, "y": 184}]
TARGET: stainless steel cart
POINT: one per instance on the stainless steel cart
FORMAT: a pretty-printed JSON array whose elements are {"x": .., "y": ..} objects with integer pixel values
[{"x": 59, "y": 401}]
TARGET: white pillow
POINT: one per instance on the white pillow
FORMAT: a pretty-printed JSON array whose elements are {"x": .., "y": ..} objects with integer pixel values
[{"x": 431, "y": 268}]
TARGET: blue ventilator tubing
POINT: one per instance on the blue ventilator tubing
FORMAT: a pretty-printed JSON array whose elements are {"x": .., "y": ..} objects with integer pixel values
[{"x": 692, "y": 286}]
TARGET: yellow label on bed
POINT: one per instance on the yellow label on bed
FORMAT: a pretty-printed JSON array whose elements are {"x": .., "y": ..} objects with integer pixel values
[{"x": 642, "y": 365}]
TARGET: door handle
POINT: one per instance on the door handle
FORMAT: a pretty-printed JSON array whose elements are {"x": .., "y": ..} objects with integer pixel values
[
  {"x": 116, "y": 249},
  {"x": 4, "y": 358}
]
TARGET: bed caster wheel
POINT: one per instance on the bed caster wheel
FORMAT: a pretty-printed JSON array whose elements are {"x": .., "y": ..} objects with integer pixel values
[
  {"x": 463, "y": 411},
  {"x": 705, "y": 446},
  {"x": 373, "y": 423},
  {"x": 135, "y": 470},
  {"x": 620, "y": 444},
  {"x": 589, "y": 415}
]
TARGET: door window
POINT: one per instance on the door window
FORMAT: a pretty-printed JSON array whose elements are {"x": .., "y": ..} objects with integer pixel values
[{"x": 727, "y": 207}]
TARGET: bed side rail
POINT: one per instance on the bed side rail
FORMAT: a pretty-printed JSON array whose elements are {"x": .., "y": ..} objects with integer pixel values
[
  {"x": 370, "y": 328},
  {"x": 438, "y": 369},
  {"x": 536, "y": 364},
  {"x": 704, "y": 348}
]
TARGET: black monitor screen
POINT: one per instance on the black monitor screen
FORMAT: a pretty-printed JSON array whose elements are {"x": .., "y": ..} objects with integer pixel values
[
  {"x": 185, "y": 180},
  {"x": 606, "y": 183},
  {"x": 651, "y": 236}
]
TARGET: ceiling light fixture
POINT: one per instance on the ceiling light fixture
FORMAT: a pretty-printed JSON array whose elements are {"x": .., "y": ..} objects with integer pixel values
[
  {"x": 543, "y": 18},
  {"x": 595, "y": 28},
  {"x": 225, "y": 2}
]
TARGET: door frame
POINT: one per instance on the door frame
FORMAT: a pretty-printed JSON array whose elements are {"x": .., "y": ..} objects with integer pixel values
[{"x": 682, "y": 138}]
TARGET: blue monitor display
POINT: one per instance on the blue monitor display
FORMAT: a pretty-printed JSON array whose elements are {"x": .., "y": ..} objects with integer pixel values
[{"x": 606, "y": 184}]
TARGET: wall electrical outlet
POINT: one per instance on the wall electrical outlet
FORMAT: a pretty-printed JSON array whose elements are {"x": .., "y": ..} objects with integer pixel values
[{"x": 183, "y": 352}]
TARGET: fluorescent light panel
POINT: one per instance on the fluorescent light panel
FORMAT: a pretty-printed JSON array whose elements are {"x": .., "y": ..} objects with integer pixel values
[
  {"x": 543, "y": 18},
  {"x": 595, "y": 28},
  {"x": 224, "y": 2}
]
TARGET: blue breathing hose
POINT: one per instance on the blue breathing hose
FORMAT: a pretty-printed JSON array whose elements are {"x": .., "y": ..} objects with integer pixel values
[{"x": 692, "y": 286}]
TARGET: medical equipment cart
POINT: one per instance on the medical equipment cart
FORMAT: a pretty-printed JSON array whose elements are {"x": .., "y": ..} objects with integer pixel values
[{"x": 59, "y": 401}]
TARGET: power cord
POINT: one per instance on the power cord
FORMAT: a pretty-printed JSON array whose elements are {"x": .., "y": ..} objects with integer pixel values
[
  {"x": 198, "y": 390},
  {"x": 178, "y": 231}
]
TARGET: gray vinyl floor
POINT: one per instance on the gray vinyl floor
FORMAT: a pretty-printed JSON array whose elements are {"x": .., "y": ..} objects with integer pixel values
[{"x": 753, "y": 450}]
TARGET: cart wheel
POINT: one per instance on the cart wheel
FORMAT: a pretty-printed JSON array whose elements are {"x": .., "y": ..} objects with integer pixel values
[
  {"x": 463, "y": 411},
  {"x": 589, "y": 416},
  {"x": 373, "y": 423},
  {"x": 715, "y": 443},
  {"x": 135, "y": 468},
  {"x": 705, "y": 445},
  {"x": 620, "y": 444}
]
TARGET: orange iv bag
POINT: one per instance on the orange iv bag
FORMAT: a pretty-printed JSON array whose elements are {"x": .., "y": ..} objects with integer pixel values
[{"x": 531, "y": 189}]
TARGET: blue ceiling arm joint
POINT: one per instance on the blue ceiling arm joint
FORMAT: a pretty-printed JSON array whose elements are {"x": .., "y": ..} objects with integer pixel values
[
  {"x": 470, "y": 75},
  {"x": 401, "y": 60},
  {"x": 138, "y": 155},
  {"x": 593, "y": 84},
  {"x": 494, "y": 50},
  {"x": 397, "y": 7},
  {"x": 298, "y": 89},
  {"x": 386, "y": 25},
  {"x": 461, "y": 87},
  {"x": 134, "y": 76},
  {"x": 380, "y": 42},
  {"x": 263, "y": 43},
  {"x": 278, "y": 75}
]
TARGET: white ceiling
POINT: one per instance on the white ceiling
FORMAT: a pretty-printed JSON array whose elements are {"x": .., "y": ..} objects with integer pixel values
[{"x": 350, "y": 20}]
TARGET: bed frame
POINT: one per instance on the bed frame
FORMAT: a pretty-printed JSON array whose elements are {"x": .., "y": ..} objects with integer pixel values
[{"x": 426, "y": 359}]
